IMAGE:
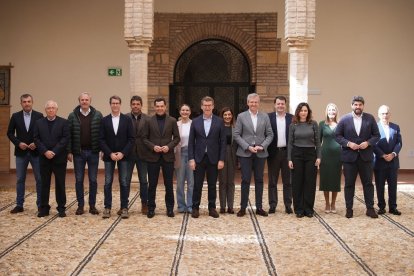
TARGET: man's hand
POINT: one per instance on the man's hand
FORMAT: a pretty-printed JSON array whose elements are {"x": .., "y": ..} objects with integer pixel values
[
  {"x": 70, "y": 157},
  {"x": 23, "y": 146},
  {"x": 290, "y": 164},
  {"x": 363, "y": 145},
  {"x": 165, "y": 149},
  {"x": 32, "y": 146},
  {"x": 252, "y": 149},
  {"x": 157, "y": 149},
  {"x": 192, "y": 164},
  {"x": 220, "y": 165},
  {"x": 49, "y": 154},
  {"x": 353, "y": 146}
]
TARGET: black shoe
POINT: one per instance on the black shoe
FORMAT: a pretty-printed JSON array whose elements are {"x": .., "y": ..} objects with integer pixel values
[
  {"x": 395, "y": 212},
  {"x": 150, "y": 214},
  {"x": 93, "y": 210},
  {"x": 42, "y": 214},
  {"x": 272, "y": 210},
  {"x": 371, "y": 213},
  {"x": 381, "y": 211},
  {"x": 300, "y": 215},
  {"x": 195, "y": 213},
  {"x": 213, "y": 213},
  {"x": 17, "y": 209},
  {"x": 309, "y": 215},
  {"x": 79, "y": 211},
  {"x": 288, "y": 210},
  {"x": 170, "y": 213},
  {"x": 349, "y": 213},
  {"x": 241, "y": 213},
  {"x": 62, "y": 214},
  {"x": 261, "y": 212}
]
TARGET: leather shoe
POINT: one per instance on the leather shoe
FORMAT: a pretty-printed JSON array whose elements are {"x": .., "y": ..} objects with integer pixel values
[
  {"x": 62, "y": 214},
  {"x": 309, "y": 215},
  {"x": 195, "y": 213},
  {"x": 272, "y": 210},
  {"x": 395, "y": 212},
  {"x": 349, "y": 213},
  {"x": 93, "y": 210},
  {"x": 170, "y": 213},
  {"x": 288, "y": 210},
  {"x": 144, "y": 208},
  {"x": 17, "y": 209},
  {"x": 261, "y": 212},
  {"x": 222, "y": 210},
  {"x": 42, "y": 214},
  {"x": 381, "y": 211},
  {"x": 241, "y": 213},
  {"x": 300, "y": 215},
  {"x": 79, "y": 211},
  {"x": 150, "y": 214},
  {"x": 371, "y": 213},
  {"x": 213, "y": 213},
  {"x": 230, "y": 211}
]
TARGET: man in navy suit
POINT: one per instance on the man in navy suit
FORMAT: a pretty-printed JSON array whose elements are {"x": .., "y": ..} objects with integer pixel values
[
  {"x": 51, "y": 136},
  {"x": 386, "y": 161},
  {"x": 206, "y": 153},
  {"x": 20, "y": 133},
  {"x": 116, "y": 139},
  {"x": 357, "y": 132},
  {"x": 277, "y": 159}
]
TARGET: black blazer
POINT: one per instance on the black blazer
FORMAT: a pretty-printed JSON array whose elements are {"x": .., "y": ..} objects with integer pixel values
[
  {"x": 56, "y": 141},
  {"x": 273, "y": 145},
  {"x": 120, "y": 142},
  {"x": 345, "y": 132},
  {"x": 385, "y": 147},
  {"x": 215, "y": 141},
  {"x": 17, "y": 131}
]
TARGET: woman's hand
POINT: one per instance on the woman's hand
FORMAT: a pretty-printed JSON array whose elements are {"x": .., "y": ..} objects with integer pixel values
[{"x": 290, "y": 164}]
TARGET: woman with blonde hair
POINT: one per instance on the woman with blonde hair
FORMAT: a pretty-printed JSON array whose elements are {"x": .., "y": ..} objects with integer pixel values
[{"x": 330, "y": 168}]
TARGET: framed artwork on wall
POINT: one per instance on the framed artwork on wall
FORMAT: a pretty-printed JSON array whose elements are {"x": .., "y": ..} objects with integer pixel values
[{"x": 5, "y": 85}]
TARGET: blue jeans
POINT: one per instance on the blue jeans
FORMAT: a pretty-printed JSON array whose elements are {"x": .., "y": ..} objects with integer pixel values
[
  {"x": 184, "y": 173},
  {"x": 21, "y": 168},
  {"x": 79, "y": 162},
  {"x": 142, "y": 176},
  {"x": 123, "y": 183}
]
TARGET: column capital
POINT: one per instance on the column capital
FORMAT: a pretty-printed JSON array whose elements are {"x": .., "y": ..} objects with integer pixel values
[
  {"x": 298, "y": 42},
  {"x": 138, "y": 44}
]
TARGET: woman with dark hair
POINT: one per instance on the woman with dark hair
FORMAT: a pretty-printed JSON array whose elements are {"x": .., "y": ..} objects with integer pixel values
[
  {"x": 304, "y": 156},
  {"x": 226, "y": 175},
  {"x": 182, "y": 169}
]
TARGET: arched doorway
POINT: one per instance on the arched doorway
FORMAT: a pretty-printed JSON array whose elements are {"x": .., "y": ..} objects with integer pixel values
[{"x": 213, "y": 68}]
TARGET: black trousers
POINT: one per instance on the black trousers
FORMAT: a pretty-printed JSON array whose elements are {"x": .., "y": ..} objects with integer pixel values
[
  {"x": 153, "y": 174},
  {"x": 279, "y": 164},
  {"x": 351, "y": 170},
  {"x": 205, "y": 167},
  {"x": 47, "y": 167},
  {"x": 247, "y": 165},
  {"x": 389, "y": 175},
  {"x": 303, "y": 179}
]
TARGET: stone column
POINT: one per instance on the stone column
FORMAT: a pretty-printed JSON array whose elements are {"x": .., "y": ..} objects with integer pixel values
[
  {"x": 299, "y": 32},
  {"x": 138, "y": 32}
]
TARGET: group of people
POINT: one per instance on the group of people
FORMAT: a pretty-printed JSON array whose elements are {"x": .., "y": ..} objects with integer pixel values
[{"x": 210, "y": 147}]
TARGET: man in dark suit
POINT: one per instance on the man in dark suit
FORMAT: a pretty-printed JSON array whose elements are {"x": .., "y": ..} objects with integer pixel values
[
  {"x": 139, "y": 151},
  {"x": 277, "y": 159},
  {"x": 386, "y": 161},
  {"x": 253, "y": 133},
  {"x": 51, "y": 136},
  {"x": 116, "y": 139},
  {"x": 160, "y": 136},
  {"x": 206, "y": 153},
  {"x": 20, "y": 133},
  {"x": 357, "y": 133}
]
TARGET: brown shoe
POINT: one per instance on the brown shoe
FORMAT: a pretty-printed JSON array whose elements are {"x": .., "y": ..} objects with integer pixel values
[
  {"x": 230, "y": 211},
  {"x": 371, "y": 213},
  {"x": 17, "y": 209},
  {"x": 144, "y": 208},
  {"x": 195, "y": 213},
  {"x": 93, "y": 210},
  {"x": 261, "y": 212},
  {"x": 222, "y": 210},
  {"x": 213, "y": 213},
  {"x": 241, "y": 213},
  {"x": 79, "y": 211}
]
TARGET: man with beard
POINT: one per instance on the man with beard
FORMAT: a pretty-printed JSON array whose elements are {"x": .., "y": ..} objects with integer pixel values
[{"x": 357, "y": 132}]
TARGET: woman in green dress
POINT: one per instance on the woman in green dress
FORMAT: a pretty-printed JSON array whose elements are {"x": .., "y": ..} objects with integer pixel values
[{"x": 330, "y": 168}]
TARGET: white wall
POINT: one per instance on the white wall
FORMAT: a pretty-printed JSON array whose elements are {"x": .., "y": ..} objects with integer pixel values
[{"x": 61, "y": 48}]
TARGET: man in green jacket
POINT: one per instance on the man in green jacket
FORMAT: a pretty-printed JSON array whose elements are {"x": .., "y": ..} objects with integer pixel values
[{"x": 83, "y": 148}]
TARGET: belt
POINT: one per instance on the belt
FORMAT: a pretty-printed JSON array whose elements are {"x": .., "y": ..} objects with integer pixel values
[{"x": 281, "y": 148}]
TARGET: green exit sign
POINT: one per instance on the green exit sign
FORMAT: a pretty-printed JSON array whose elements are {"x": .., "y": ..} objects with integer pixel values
[{"x": 115, "y": 72}]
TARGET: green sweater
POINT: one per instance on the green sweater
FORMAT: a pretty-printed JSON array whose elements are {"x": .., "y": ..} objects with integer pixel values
[{"x": 74, "y": 145}]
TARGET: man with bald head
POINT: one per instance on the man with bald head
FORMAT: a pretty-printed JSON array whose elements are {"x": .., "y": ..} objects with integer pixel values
[
  {"x": 51, "y": 136},
  {"x": 387, "y": 164}
]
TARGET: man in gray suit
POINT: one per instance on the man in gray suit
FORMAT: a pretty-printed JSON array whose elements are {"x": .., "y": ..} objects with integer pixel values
[{"x": 253, "y": 133}]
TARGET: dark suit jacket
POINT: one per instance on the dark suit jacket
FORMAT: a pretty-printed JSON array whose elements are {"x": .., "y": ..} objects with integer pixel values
[
  {"x": 345, "y": 132},
  {"x": 383, "y": 147},
  {"x": 273, "y": 145},
  {"x": 120, "y": 142},
  {"x": 153, "y": 137},
  {"x": 17, "y": 132},
  {"x": 56, "y": 141},
  {"x": 215, "y": 141},
  {"x": 139, "y": 149}
]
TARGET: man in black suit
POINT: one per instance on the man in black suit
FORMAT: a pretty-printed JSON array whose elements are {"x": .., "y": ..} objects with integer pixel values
[
  {"x": 160, "y": 136},
  {"x": 277, "y": 159},
  {"x": 51, "y": 136},
  {"x": 357, "y": 133},
  {"x": 206, "y": 153},
  {"x": 116, "y": 139},
  {"x": 20, "y": 133}
]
